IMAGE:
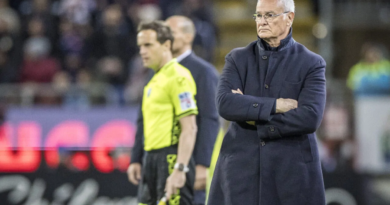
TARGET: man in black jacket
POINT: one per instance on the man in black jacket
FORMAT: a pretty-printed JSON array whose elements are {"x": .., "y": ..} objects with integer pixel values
[{"x": 205, "y": 76}]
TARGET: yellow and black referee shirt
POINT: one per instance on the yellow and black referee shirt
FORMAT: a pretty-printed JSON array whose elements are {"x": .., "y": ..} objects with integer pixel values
[{"x": 168, "y": 96}]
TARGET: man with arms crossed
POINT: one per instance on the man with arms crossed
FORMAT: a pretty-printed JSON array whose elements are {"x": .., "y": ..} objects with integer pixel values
[
  {"x": 168, "y": 109},
  {"x": 206, "y": 79},
  {"x": 274, "y": 92}
]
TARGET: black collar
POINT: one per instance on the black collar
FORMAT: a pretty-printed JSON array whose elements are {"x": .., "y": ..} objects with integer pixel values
[{"x": 285, "y": 43}]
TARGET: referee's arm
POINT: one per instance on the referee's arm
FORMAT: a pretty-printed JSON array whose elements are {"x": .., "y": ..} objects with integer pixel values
[{"x": 187, "y": 139}]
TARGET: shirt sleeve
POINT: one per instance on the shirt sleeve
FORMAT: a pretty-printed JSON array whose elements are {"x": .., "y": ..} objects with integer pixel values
[{"x": 182, "y": 91}]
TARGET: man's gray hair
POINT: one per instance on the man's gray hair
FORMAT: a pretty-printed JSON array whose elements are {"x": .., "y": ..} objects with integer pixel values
[{"x": 288, "y": 5}]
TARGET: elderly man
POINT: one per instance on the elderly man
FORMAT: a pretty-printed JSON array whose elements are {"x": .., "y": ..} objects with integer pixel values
[{"x": 273, "y": 91}]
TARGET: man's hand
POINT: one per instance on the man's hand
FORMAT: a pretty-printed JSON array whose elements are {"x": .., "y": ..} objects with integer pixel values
[
  {"x": 174, "y": 182},
  {"x": 200, "y": 177},
  {"x": 284, "y": 105},
  {"x": 134, "y": 173},
  {"x": 238, "y": 91}
]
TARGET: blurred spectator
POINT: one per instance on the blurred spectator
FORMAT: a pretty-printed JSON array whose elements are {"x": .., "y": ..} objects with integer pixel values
[
  {"x": 73, "y": 66},
  {"x": 111, "y": 70},
  {"x": 148, "y": 12},
  {"x": 38, "y": 8},
  {"x": 31, "y": 9},
  {"x": 70, "y": 42},
  {"x": 170, "y": 7},
  {"x": 78, "y": 12},
  {"x": 47, "y": 96},
  {"x": 206, "y": 31},
  {"x": 37, "y": 64},
  {"x": 371, "y": 76},
  {"x": 199, "y": 11},
  {"x": 10, "y": 54},
  {"x": 10, "y": 17},
  {"x": 75, "y": 96},
  {"x": 61, "y": 82},
  {"x": 113, "y": 38},
  {"x": 337, "y": 144}
]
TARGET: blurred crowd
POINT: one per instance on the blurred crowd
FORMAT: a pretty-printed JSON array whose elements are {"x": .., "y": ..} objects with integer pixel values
[
  {"x": 73, "y": 46},
  {"x": 81, "y": 53}
]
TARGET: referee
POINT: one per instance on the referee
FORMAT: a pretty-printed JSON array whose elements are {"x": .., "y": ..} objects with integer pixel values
[
  {"x": 206, "y": 79},
  {"x": 168, "y": 109}
]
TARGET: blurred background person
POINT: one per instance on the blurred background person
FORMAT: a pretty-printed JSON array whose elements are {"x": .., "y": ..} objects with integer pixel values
[
  {"x": 114, "y": 37},
  {"x": 10, "y": 52},
  {"x": 10, "y": 16},
  {"x": 371, "y": 76},
  {"x": 38, "y": 65},
  {"x": 111, "y": 70}
]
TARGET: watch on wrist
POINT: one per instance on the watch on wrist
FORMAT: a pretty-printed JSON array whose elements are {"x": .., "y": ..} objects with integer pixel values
[{"x": 181, "y": 167}]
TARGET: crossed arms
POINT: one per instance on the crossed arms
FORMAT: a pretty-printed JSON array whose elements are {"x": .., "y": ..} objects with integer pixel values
[{"x": 291, "y": 117}]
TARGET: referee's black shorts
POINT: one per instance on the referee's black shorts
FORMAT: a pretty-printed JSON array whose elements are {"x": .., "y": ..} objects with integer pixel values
[{"x": 156, "y": 168}]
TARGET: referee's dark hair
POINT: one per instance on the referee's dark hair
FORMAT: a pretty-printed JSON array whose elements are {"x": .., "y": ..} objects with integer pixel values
[{"x": 163, "y": 31}]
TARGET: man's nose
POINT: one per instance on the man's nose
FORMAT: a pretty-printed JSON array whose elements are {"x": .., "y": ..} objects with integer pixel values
[
  {"x": 142, "y": 50},
  {"x": 261, "y": 21}
]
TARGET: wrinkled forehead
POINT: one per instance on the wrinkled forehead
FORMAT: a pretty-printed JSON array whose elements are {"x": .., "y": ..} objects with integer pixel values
[{"x": 269, "y": 6}]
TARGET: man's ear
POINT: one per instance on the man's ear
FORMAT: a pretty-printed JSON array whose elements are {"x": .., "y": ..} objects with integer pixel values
[
  {"x": 290, "y": 17},
  {"x": 189, "y": 38},
  {"x": 167, "y": 44}
]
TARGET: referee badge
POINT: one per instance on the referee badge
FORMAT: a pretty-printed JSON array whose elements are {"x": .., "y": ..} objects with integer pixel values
[{"x": 186, "y": 101}]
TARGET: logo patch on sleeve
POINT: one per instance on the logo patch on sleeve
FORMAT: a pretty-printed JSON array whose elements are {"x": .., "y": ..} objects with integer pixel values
[{"x": 186, "y": 101}]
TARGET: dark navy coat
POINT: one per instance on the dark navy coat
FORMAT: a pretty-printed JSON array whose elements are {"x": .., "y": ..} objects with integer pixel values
[
  {"x": 275, "y": 162},
  {"x": 206, "y": 78}
]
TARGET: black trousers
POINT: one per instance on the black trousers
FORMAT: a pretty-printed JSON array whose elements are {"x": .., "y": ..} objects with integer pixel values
[{"x": 156, "y": 168}]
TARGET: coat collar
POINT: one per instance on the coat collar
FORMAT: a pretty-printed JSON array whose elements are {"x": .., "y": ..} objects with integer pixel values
[
  {"x": 285, "y": 43},
  {"x": 183, "y": 55}
]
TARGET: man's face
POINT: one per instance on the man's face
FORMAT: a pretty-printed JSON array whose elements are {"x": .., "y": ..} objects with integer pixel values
[
  {"x": 273, "y": 27},
  {"x": 178, "y": 34},
  {"x": 151, "y": 50}
]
